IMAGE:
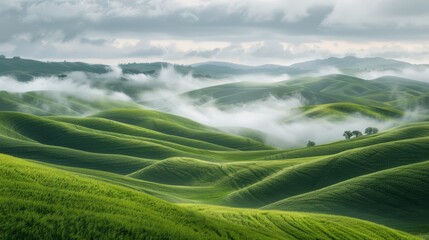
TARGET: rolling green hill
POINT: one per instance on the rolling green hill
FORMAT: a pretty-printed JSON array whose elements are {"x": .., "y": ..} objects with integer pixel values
[
  {"x": 109, "y": 137},
  {"x": 397, "y": 197},
  {"x": 46, "y": 103},
  {"x": 326, "y": 171},
  {"x": 182, "y": 161},
  {"x": 381, "y": 98},
  {"x": 42, "y": 202},
  {"x": 339, "y": 111},
  {"x": 182, "y": 127},
  {"x": 87, "y": 167}
]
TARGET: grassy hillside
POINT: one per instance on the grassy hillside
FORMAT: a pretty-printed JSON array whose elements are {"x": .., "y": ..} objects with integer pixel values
[
  {"x": 42, "y": 202},
  {"x": 182, "y": 161},
  {"x": 103, "y": 136},
  {"x": 107, "y": 125},
  {"x": 289, "y": 225},
  {"x": 381, "y": 98},
  {"x": 182, "y": 127},
  {"x": 339, "y": 111},
  {"x": 329, "y": 170},
  {"x": 53, "y": 103},
  {"x": 77, "y": 167},
  {"x": 397, "y": 197},
  {"x": 183, "y": 171},
  {"x": 402, "y": 132}
]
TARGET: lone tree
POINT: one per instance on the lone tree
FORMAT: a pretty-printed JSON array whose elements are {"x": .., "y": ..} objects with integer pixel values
[
  {"x": 371, "y": 130},
  {"x": 356, "y": 133},
  {"x": 311, "y": 144},
  {"x": 347, "y": 134}
]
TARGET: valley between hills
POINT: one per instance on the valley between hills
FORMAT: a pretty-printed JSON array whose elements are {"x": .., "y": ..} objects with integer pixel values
[{"x": 91, "y": 159}]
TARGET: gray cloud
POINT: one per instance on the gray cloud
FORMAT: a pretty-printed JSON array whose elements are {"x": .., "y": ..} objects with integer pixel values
[
  {"x": 53, "y": 26},
  {"x": 96, "y": 42}
]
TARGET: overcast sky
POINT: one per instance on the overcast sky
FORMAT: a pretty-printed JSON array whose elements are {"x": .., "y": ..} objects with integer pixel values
[{"x": 187, "y": 31}]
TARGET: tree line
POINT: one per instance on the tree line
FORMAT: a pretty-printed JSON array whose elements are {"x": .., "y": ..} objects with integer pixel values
[
  {"x": 356, "y": 133},
  {"x": 348, "y": 134}
]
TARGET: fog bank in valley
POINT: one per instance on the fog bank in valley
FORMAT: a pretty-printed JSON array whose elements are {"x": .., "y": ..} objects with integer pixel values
[
  {"x": 269, "y": 116},
  {"x": 279, "y": 120}
]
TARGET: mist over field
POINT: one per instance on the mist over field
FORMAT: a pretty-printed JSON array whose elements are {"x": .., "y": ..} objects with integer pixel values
[
  {"x": 278, "y": 119},
  {"x": 421, "y": 74},
  {"x": 77, "y": 85},
  {"x": 270, "y": 116},
  {"x": 214, "y": 119}
]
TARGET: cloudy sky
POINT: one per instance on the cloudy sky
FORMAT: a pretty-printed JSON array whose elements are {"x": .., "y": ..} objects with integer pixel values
[{"x": 188, "y": 31}]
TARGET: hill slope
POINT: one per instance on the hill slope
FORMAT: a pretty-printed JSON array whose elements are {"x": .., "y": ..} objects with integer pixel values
[
  {"x": 397, "y": 197},
  {"x": 182, "y": 161},
  {"x": 390, "y": 94},
  {"x": 46, "y": 103},
  {"x": 41, "y": 202},
  {"x": 310, "y": 176}
]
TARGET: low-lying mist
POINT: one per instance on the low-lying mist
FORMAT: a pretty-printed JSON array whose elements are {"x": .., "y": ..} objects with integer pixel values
[
  {"x": 421, "y": 74},
  {"x": 270, "y": 116},
  {"x": 169, "y": 83},
  {"x": 76, "y": 84},
  {"x": 279, "y": 120}
]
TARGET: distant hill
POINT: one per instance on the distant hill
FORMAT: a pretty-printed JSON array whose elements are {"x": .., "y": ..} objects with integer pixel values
[
  {"x": 347, "y": 65},
  {"x": 352, "y": 65},
  {"x": 385, "y": 92},
  {"x": 222, "y": 64},
  {"x": 26, "y": 69},
  {"x": 209, "y": 69}
]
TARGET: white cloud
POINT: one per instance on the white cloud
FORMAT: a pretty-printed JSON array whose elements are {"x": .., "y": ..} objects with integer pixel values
[
  {"x": 125, "y": 42},
  {"x": 196, "y": 30},
  {"x": 367, "y": 13},
  {"x": 261, "y": 11},
  {"x": 56, "y": 10},
  {"x": 170, "y": 83}
]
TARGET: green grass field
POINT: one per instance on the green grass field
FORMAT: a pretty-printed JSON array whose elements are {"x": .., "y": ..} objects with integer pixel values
[
  {"x": 73, "y": 167},
  {"x": 40, "y": 202},
  {"x": 180, "y": 161},
  {"x": 332, "y": 95},
  {"x": 47, "y": 103},
  {"x": 395, "y": 196}
]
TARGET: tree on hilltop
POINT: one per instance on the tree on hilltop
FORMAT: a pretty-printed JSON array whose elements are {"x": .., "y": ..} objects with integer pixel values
[
  {"x": 311, "y": 144},
  {"x": 356, "y": 133},
  {"x": 371, "y": 130},
  {"x": 347, "y": 134}
]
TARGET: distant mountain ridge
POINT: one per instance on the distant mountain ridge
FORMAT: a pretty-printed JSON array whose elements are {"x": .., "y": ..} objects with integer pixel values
[{"x": 27, "y": 68}]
